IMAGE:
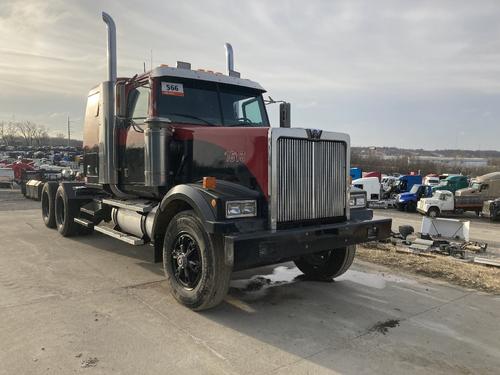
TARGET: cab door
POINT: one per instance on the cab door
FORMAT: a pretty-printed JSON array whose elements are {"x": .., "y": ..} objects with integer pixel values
[{"x": 133, "y": 153}]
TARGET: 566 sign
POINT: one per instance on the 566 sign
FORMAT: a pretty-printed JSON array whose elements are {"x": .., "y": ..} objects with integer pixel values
[{"x": 173, "y": 89}]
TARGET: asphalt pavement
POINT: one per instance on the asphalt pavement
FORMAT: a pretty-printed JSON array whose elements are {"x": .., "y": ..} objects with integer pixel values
[{"x": 94, "y": 305}]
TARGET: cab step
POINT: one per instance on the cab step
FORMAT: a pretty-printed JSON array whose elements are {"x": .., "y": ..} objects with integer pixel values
[
  {"x": 84, "y": 223},
  {"x": 128, "y": 238}
]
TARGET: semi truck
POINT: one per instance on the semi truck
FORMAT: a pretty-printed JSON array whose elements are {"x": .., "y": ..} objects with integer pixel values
[
  {"x": 452, "y": 183},
  {"x": 402, "y": 185},
  {"x": 185, "y": 160},
  {"x": 408, "y": 201}
]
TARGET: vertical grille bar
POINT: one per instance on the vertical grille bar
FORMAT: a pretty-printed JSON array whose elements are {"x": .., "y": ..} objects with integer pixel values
[{"x": 311, "y": 177}]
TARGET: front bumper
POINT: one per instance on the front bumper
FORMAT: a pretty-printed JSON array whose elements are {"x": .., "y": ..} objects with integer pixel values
[{"x": 250, "y": 250}]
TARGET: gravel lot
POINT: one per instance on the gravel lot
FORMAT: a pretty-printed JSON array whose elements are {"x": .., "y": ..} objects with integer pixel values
[{"x": 94, "y": 305}]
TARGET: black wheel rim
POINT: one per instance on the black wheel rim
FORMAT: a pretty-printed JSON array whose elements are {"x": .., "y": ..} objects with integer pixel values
[{"x": 186, "y": 261}]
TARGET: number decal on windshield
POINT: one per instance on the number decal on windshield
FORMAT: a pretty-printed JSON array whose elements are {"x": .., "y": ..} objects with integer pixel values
[{"x": 173, "y": 89}]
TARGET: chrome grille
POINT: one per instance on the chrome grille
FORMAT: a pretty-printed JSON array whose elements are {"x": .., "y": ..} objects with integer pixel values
[{"x": 311, "y": 179}]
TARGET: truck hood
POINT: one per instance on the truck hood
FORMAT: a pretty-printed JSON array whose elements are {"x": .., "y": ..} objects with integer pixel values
[
  {"x": 429, "y": 201},
  {"x": 407, "y": 196}
]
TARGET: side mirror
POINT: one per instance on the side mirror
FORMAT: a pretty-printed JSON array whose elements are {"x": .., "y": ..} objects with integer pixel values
[{"x": 285, "y": 114}]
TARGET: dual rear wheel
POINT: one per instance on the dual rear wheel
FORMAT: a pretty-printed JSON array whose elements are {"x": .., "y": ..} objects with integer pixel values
[{"x": 59, "y": 211}]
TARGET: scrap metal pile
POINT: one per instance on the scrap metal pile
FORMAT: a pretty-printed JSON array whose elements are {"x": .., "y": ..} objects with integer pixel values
[{"x": 449, "y": 237}]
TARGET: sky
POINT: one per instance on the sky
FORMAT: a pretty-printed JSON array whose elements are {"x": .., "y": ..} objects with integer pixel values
[{"x": 415, "y": 74}]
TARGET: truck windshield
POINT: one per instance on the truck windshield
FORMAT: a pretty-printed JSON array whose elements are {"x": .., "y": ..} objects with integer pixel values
[
  {"x": 414, "y": 189},
  {"x": 210, "y": 103},
  {"x": 476, "y": 186}
]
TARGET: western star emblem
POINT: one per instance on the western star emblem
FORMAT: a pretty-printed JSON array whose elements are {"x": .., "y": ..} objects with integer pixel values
[{"x": 314, "y": 134}]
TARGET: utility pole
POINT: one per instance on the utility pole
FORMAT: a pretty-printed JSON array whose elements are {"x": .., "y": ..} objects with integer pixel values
[{"x": 69, "y": 133}]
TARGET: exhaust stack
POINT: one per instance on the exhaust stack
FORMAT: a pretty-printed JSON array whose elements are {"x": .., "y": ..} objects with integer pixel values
[
  {"x": 230, "y": 61},
  {"x": 107, "y": 149},
  {"x": 111, "y": 46}
]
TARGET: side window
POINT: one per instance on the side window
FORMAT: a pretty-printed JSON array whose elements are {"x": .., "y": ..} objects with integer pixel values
[
  {"x": 251, "y": 111},
  {"x": 139, "y": 104}
]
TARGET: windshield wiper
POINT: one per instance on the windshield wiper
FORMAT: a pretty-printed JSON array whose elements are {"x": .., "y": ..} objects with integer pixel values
[{"x": 193, "y": 117}]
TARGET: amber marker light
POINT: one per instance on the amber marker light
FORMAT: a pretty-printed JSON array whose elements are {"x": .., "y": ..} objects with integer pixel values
[
  {"x": 209, "y": 183},
  {"x": 213, "y": 203}
]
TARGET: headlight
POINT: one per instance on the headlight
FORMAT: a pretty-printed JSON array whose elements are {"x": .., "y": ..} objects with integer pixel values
[
  {"x": 246, "y": 208},
  {"x": 357, "y": 201}
]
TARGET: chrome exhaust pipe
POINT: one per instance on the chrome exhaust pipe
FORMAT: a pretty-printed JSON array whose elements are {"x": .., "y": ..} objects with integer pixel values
[
  {"x": 230, "y": 61},
  {"x": 111, "y": 52},
  {"x": 107, "y": 170},
  {"x": 107, "y": 144}
]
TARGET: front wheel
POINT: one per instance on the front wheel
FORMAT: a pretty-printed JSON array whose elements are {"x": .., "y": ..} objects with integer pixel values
[
  {"x": 194, "y": 264},
  {"x": 326, "y": 264},
  {"x": 433, "y": 212}
]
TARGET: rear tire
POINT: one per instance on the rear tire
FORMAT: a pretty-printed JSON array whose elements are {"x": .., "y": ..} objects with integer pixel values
[
  {"x": 48, "y": 206},
  {"x": 65, "y": 212},
  {"x": 194, "y": 264},
  {"x": 326, "y": 264}
]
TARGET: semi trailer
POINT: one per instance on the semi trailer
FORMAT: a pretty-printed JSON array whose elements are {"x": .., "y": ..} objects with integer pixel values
[{"x": 186, "y": 161}]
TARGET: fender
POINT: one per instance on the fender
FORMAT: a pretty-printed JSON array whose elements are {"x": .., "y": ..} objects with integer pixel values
[{"x": 191, "y": 197}]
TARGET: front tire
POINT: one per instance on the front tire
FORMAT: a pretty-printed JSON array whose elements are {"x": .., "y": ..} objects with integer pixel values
[
  {"x": 194, "y": 264},
  {"x": 326, "y": 264},
  {"x": 433, "y": 212}
]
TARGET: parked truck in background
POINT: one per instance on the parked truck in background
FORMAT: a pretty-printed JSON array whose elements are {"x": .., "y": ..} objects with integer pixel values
[
  {"x": 484, "y": 188},
  {"x": 491, "y": 209},
  {"x": 431, "y": 180},
  {"x": 186, "y": 161},
  {"x": 369, "y": 184},
  {"x": 452, "y": 183},
  {"x": 443, "y": 201},
  {"x": 408, "y": 201},
  {"x": 402, "y": 185}
]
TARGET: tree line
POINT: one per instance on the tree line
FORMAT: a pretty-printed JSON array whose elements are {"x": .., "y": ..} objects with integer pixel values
[{"x": 28, "y": 133}]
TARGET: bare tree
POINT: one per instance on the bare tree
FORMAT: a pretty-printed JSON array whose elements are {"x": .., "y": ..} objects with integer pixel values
[
  {"x": 8, "y": 132},
  {"x": 40, "y": 135},
  {"x": 27, "y": 130}
]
